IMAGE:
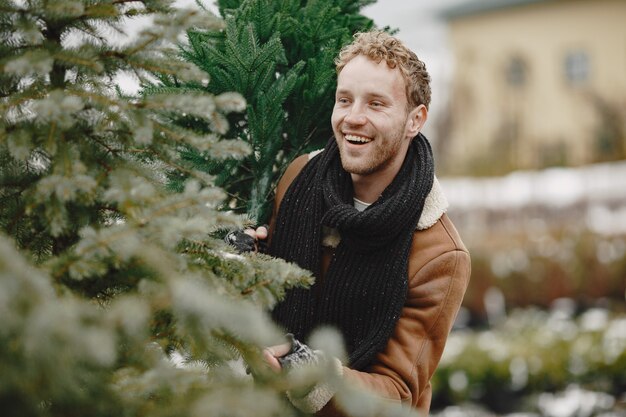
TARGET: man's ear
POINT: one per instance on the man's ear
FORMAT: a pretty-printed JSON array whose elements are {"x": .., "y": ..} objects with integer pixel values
[{"x": 416, "y": 120}]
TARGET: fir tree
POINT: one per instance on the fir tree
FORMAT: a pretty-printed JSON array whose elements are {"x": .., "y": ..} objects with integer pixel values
[
  {"x": 115, "y": 298},
  {"x": 279, "y": 56},
  {"x": 104, "y": 273}
]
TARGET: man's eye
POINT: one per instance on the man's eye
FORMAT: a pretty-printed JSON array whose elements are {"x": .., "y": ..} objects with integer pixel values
[
  {"x": 376, "y": 104},
  {"x": 342, "y": 100}
]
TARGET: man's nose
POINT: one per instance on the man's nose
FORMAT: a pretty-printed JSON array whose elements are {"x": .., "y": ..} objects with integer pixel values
[{"x": 356, "y": 115}]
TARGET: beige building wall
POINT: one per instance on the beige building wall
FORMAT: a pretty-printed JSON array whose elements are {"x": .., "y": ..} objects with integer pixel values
[{"x": 544, "y": 118}]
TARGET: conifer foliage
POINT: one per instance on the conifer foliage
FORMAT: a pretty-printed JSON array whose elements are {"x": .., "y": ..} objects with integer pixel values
[
  {"x": 105, "y": 274},
  {"x": 279, "y": 56},
  {"x": 115, "y": 298}
]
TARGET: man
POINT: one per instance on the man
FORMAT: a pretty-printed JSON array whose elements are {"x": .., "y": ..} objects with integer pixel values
[{"x": 367, "y": 217}]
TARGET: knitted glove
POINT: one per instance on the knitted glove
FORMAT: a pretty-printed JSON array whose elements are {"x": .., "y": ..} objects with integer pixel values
[
  {"x": 239, "y": 240},
  {"x": 243, "y": 242},
  {"x": 301, "y": 355}
]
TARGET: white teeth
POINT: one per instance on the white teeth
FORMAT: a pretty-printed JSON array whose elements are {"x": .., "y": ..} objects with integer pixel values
[{"x": 359, "y": 139}]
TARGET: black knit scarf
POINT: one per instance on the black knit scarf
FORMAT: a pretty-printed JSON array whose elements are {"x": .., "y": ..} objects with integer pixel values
[{"x": 365, "y": 287}]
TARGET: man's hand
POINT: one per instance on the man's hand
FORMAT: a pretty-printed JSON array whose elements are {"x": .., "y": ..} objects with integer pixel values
[
  {"x": 291, "y": 354},
  {"x": 272, "y": 353},
  {"x": 260, "y": 233},
  {"x": 295, "y": 354}
]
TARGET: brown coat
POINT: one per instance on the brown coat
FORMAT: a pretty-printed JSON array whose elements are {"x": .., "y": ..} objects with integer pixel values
[{"x": 439, "y": 271}]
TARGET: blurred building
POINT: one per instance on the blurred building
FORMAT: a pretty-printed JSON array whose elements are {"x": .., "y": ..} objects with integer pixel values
[{"x": 537, "y": 83}]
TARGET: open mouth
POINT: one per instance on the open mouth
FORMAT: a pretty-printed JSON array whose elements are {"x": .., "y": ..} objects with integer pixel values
[{"x": 357, "y": 140}]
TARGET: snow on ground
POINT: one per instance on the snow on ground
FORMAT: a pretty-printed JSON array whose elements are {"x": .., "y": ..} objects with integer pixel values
[
  {"x": 554, "y": 187},
  {"x": 596, "y": 193}
]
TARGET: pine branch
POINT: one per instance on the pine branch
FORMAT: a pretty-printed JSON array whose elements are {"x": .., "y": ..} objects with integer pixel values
[{"x": 84, "y": 195}]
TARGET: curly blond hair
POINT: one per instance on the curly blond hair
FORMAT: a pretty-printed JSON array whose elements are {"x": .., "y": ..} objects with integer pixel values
[{"x": 378, "y": 45}]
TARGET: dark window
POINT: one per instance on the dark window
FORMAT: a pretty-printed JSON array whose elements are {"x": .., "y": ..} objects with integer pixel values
[
  {"x": 577, "y": 67},
  {"x": 516, "y": 72}
]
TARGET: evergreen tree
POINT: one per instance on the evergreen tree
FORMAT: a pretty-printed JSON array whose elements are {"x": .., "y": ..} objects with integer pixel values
[
  {"x": 279, "y": 55},
  {"x": 115, "y": 298},
  {"x": 104, "y": 273}
]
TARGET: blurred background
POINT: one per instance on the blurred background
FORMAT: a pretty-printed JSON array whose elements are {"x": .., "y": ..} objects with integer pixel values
[{"x": 528, "y": 123}]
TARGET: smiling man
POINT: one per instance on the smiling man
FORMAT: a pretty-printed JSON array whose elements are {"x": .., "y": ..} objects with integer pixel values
[
  {"x": 374, "y": 123},
  {"x": 367, "y": 216}
]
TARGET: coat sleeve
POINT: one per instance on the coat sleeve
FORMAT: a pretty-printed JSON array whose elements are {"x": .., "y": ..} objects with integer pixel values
[{"x": 402, "y": 372}]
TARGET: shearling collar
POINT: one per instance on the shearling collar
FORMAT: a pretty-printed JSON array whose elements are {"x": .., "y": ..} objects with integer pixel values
[{"x": 435, "y": 205}]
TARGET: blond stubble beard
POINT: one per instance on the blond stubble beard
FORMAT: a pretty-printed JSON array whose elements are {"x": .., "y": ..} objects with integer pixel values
[{"x": 376, "y": 161}]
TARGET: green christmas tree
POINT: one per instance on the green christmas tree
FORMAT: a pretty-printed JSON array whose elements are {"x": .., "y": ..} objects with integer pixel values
[
  {"x": 279, "y": 56},
  {"x": 115, "y": 297},
  {"x": 104, "y": 272}
]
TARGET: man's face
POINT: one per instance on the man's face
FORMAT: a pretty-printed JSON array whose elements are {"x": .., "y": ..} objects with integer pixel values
[{"x": 370, "y": 118}]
